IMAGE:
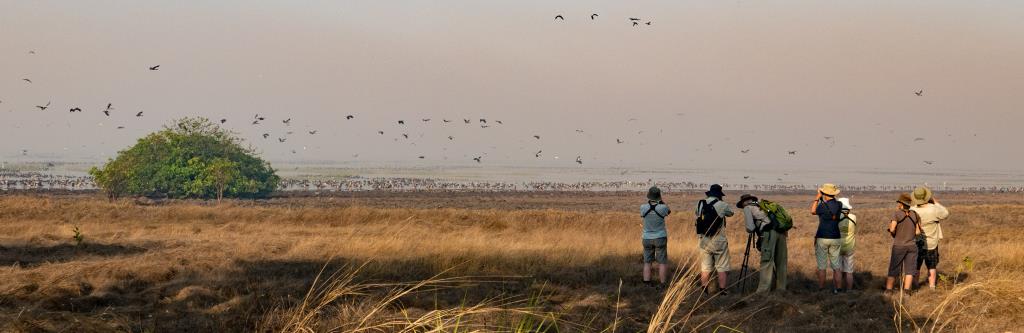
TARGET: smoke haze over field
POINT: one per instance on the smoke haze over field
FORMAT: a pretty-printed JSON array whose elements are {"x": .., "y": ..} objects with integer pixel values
[{"x": 704, "y": 81}]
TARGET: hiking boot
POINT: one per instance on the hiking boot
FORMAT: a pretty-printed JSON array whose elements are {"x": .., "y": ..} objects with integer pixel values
[{"x": 723, "y": 292}]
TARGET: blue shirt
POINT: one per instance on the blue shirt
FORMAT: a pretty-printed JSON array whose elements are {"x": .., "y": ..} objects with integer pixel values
[
  {"x": 828, "y": 227},
  {"x": 654, "y": 225}
]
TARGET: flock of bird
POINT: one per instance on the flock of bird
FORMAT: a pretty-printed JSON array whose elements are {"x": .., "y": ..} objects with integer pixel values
[{"x": 259, "y": 120}]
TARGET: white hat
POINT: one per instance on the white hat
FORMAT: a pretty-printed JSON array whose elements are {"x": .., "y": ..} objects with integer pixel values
[{"x": 846, "y": 203}]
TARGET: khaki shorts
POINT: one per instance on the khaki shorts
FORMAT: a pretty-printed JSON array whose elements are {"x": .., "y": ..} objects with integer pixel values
[
  {"x": 656, "y": 250},
  {"x": 826, "y": 250},
  {"x": 714, "y": 253},
  {"x": 846, "y": 263}
]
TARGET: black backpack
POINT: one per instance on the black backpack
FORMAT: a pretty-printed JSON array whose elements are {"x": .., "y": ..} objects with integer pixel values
[{"x": 708, "y": 220}]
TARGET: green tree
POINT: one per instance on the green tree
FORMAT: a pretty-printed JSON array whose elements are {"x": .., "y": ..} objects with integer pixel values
[{"x": 192, "y": 158}]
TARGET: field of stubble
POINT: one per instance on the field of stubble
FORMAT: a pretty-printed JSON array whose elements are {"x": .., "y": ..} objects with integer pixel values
[{"x": 421, "y": 262}]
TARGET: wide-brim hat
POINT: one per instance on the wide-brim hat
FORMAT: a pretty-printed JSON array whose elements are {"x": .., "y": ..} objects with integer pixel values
[
  {"x": 921, "y": 195},
  {"x": 846, "y": 203},
  {"x": 829, "y": 189},
  {"x": 744, "y": 198},
  {"x": 715, "y": 191},
  {"x": 905, "y": 199},
  {"x": 654, "y": 194}
]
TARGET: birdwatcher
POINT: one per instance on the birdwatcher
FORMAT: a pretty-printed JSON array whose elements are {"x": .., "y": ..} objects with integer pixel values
[
  {"x": 772, "y": 244},
  {"x": 931, "y": 213},
  {"x": 827, "y": 240},
  {"x": 904, "y": 228},
  {"x": 711, "y": 239},
  {"x": 655, "y": 237},
  {"x": 847, "y": 229}
]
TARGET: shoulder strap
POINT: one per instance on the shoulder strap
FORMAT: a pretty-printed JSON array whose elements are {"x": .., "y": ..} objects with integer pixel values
[{"x": 652, "y": 208}]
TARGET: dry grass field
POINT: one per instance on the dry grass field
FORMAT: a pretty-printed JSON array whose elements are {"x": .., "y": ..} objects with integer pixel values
[{"x": 420, "y": 262}]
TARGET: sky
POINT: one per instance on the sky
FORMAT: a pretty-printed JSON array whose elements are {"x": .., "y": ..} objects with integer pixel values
[{"x": 703, "y": 82}]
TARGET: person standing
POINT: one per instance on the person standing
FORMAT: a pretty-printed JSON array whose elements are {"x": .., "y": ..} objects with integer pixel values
[
  {"x": 827, "y": 240},
  {"x": 931, "y": 213},
  {"x": 655, "y": 236},
  {"x": 903, "y": 227},
  {"x": 711, "y": 240},
  {"x": 772, "y": 244},
  {"x": 847, "y": 229}
]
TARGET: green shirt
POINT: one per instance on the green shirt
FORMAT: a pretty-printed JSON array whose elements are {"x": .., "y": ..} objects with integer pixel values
[{"x": 847, "y": 229}]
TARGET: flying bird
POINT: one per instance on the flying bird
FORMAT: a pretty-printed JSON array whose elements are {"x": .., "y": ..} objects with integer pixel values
[
  {"x": 635, "y": 23},
  {"x": 120, "y": 127},
  {"x": 281, "y": 139},
  {"x": 579, "y": 131},
  {"x": 106, "y": 112},
  {"x": 536, "y": 137},
  {"x": 538, "y": 153},
  {"x": 380, "y": 132},
  {"x": 313, "y": 132},
  {"x": 110, "y": 106},
  {"x": 499, "y": 122},
  {"x": 559, "y": 17},
  {"x": 633, "y": 19},
  {"x": 31, "y": 51},
  {"x": 477, "y": 159},
  {"x": 466, "y": 120},
  {"x": 405, "y": 135},
  {"x": 255, "y": 122},
  {"x": 426, "y": 119},
  {"x": 618, "y": 140},
  {"x": 745, "y": 151},
  {"x": 918, "y": 139},
  {"x": 484, "y": 126},
  {"x": 451, "y": 137},
  {"x": 287, "y": 121},
  {"x": 929, "y": 162},
  {"x": 27, "y": 80},
  {"x": 43, "y": 107},
  {"x": 349, "y": 117},
  {"x": 401, "y": 122},
  {"x": 75, "y": 109},
  {"x": 593, "y": 16},
  {"x": 223, "y": 120},
  {"x": 746, "y": 177},
  {"x": 266, "y": 135},
  {"x": 154, "y": 68},
  {"x": 648, "y": 23},
  {"x": 579, "y": 160},
  {"x": 482, "y": 120},
  {"x": 422, "y": 157},
  {"x": 139, "y": 114},
  {"x": 792, "y": 152},
  {"x": 919, "y": 92},
  {"x": 446, "y": 120}
]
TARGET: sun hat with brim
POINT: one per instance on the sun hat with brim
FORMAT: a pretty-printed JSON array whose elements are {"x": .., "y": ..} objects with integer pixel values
[
  {"x": 921, "y": 195},
  {"x": 715, "y": 191},
  {"x": 846, "y": 203},
  {"x": 829, "y": 189},
  {"x": 743, "y": 200},
  {"x": 905, "y": 199},
  {"x": 654, "y": 194}
]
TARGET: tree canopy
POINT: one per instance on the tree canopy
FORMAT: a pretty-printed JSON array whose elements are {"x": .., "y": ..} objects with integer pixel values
[{"x": 191, "y": 158}]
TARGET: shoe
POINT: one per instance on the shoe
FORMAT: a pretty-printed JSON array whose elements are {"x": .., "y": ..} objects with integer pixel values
[
  {"x": 841, "y": 290},
  {"x": 835, "y": 291},
  {"x": 723, "y": 292}
]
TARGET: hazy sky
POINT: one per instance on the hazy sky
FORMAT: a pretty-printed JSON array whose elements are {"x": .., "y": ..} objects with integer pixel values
[{"x": 768, "y": 76}]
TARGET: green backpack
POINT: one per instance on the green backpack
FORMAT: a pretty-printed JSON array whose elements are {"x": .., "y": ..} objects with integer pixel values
[{"x": 780, "y": 218}]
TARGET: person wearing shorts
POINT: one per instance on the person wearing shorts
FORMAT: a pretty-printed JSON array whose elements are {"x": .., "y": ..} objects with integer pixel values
[
  {"x": 655, "y": 236},
  {"x": 828, "y": 240},
  {"x": 847, "y": 229},
  {"x": 712, "y": 243},
  {"x": 931, "y": 213},
  {"x": 902, "y": 262}
]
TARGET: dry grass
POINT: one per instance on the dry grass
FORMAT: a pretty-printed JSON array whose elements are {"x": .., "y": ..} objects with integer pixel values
[{"x": 373, "y": 265}]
